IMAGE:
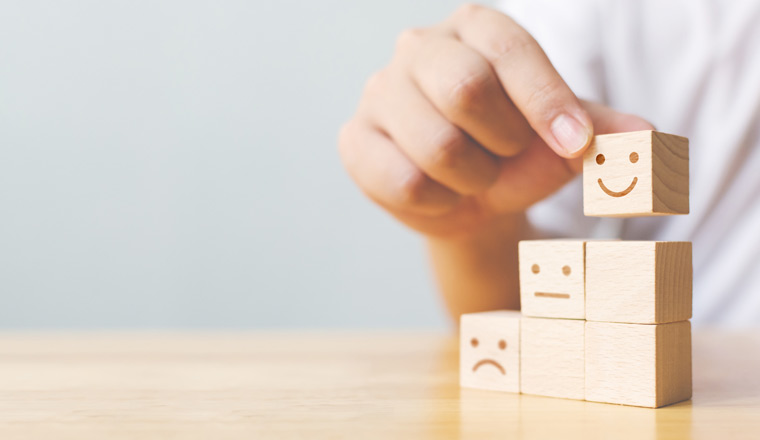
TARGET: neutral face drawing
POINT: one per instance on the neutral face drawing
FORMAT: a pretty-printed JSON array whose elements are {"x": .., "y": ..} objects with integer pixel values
[
  {"x": 552, "y": 285},
  {"x": 633, "y": 158},
  {"x": 566, "y": 271},
  {"x": 552, "y": 278}
]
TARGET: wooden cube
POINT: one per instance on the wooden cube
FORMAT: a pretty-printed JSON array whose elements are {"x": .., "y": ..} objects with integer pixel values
[
  {"x": 489, "y": 350},
  {"x": 640, "y": 365},
  {"x": 552, "y": 357},
  {"x": 552, "y": 278},
  {"x": 638, "y": 282},
  {"x": 641, "y": 173}
]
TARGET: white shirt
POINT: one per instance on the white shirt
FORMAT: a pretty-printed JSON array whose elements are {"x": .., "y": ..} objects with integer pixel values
[{"x": 692, "y": 68}]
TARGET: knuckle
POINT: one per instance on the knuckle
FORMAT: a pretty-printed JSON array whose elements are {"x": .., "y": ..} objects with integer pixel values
[
  {"x": 376, "y": 83},
  {"x": 449, "y": 147},
  {"x": 347, "y": 143},
  {"x": 542, "y": 97},
  {"x": 467, "y": 91},
  {"x": 467, "y": 10},
  {"x": 409, "y": 38},
  {"x": 344, "y": 138},
  {"x": 412, "y": 188},
  {"x": 516, "y": 42}
]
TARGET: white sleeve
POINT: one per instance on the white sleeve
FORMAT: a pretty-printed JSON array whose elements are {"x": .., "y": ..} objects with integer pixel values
[{"x": 568, "y": 31}]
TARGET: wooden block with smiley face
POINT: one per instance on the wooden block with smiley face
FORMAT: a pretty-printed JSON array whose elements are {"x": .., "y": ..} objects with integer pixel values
[
  {"x": 638, "y": 282},
  {"x": 552, "y": 278},
  {"x": 641, "y": 365},
  {"x": 642, "y": 173},
  {"x": 489, "y": 353}
]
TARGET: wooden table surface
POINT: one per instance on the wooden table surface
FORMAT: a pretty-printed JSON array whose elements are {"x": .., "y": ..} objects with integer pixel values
[{"x": 330, "y": 385}]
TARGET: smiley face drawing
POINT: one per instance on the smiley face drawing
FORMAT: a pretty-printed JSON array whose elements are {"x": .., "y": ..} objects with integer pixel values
[
  {"x": 617, "y": 176},
  {"x": 489, "y": 350},
  {"x": 552, "y": 278},
  {"x": 633, "y": 157},
  {"x": 641, "y": 173}
]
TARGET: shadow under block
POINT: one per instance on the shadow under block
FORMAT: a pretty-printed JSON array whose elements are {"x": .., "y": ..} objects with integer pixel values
[
  {"x": 641, "y": 173},
  {"x": 552, "y": 357},
  {"x": 640, "y": 365},
  {"x": 552, "y": 278},
  {"x": 489, "y": 350},
  {"x": 638, "y": 282}
]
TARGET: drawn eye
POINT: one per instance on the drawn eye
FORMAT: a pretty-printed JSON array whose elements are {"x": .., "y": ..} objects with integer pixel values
[
  {"x": 566, "y": 270},
  {"x": 502, "y": 344},
  {"x": 634, "y": 157},
  {"x": 474, "y": 342},
  {"x": 535, "y": 268},
  {"x": 600, "y": 159}
]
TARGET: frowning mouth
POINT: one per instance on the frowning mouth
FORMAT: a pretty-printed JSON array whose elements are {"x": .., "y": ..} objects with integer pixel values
[
  {"x": 489, "y": 362},
  {"x": 622, "y": 193},
  {"x": 551, "y": 295}
]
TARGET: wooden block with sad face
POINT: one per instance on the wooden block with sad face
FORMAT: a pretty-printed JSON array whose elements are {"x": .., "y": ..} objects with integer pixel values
[
  {"x": 489, "y": 353},
  {"x": 642, "y": 173},
  {"x": 641, "y": 365},
  {"x": 552, "y": 278}
]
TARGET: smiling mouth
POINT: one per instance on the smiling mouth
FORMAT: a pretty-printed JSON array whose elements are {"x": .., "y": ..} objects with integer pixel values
[
  {"x": 616, "y": 193},
  {"x": 489, "y": 362},
  {"x": 551, "y": 295}
]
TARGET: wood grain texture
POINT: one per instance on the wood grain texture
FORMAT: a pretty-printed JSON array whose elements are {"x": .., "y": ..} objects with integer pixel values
[
  {"x": 640, "y": 282},
  {"x": 642, "y": 173},
  {"x": 552, "y": 278},
  {"x": 489, "y": 353},
  {"x": 635, "y": 364},
  {"x": 330, "y": 384},
  {"x": 670, "y": 174},
  {"x": 552, "y": 357}
]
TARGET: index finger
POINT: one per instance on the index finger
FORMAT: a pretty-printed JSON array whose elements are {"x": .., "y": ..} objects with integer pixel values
[{"x": 529, "y": 78}]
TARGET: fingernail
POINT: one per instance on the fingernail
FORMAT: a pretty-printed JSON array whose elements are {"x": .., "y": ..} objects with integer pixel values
[{"x": 571, "y": 134}]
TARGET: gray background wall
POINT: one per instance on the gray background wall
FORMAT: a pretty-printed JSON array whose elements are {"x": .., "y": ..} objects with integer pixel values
[{"x": 173, "y": 164}]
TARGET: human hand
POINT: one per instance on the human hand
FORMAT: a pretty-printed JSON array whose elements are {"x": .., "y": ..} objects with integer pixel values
[{"x": 468, "y": 124}]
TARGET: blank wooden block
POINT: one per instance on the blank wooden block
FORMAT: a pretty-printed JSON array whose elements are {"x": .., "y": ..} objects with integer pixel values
[
  {"x": 641, "y": 173},
  {"x": 489, "y": 350},
  {"x": 639, "y": 282},
  {"x": 640, "y": 365},
  {"x": 551, "y": 278},
  {"x": 552, "y": 357}
]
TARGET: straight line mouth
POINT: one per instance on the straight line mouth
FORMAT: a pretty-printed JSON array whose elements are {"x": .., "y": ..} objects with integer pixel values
[{"x": 551, "y": 295}]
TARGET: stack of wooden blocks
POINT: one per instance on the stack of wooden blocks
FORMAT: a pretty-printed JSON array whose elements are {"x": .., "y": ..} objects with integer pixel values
[{"x": 604, "y": 321}]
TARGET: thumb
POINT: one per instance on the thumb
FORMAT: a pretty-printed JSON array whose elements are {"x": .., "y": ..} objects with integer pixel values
[
  {"x": 538, "y": 171},
  {"x": 607, "y": 120}
]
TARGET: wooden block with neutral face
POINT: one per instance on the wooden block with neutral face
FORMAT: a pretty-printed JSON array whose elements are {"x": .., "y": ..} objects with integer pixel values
[
  {"x": 552, "y": 278},
  {"x": 636, "y": 364},
  {"x": 638, "y": 282},
  {"x": 641, "y": 173},
  {"x": 552, "y": 357},
  {"x": 489, "y": 350}
]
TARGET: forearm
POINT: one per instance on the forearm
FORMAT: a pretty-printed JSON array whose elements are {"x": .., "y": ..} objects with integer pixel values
[{"x": 479, "y": 272}]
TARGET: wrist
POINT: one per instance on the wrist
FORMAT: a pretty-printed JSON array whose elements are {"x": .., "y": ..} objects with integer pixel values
[
  {"x": 478, "y": 271},
  {"x": 501, "y": 229}
]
